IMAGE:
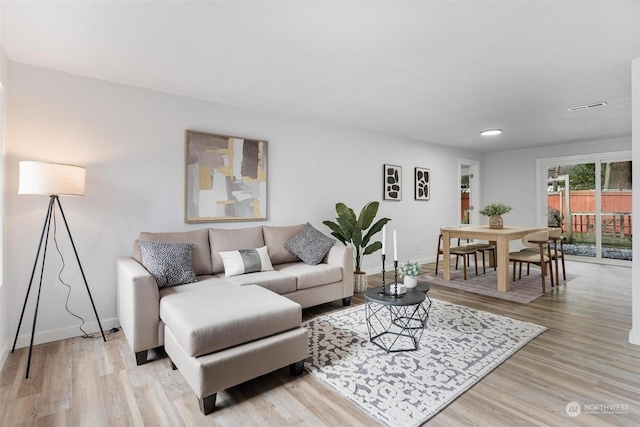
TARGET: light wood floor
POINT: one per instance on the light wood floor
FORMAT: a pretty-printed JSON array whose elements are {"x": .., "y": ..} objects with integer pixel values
[{"x": 583, "y": 357}]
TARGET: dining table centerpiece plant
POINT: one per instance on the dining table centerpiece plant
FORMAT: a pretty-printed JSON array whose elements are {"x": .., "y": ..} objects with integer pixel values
[
  {"x": 495, "y": 211},
  {"x": 357, "y": 231},
  {"x": 409, "y": 270}
]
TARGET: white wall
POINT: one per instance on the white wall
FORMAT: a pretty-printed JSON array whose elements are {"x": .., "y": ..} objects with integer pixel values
[
  {"x": 132, "y": 143},
  {"x": 4, "y": 317},
  {"x": 634, "y": 335}
]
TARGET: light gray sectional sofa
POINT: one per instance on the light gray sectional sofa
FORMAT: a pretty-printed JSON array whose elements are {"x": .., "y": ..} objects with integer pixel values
[{"x": 218, "y": 328}]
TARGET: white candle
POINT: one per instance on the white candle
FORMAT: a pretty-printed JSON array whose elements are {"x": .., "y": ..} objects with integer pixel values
[
  {"x": 384, "y": 234},
  {"x": 395, "y": 246}
]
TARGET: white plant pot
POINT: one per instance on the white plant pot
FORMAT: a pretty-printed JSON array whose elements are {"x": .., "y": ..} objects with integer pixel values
[{"x": 410, "y": 282}]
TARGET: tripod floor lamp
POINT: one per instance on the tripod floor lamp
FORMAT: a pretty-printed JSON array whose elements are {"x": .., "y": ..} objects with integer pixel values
[{"x": 53, "y": 180}]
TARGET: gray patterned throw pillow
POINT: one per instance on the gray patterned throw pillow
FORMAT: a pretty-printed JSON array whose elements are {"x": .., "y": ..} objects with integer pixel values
[
  {"x": 170, "y": 264},
  {"x": 310, "y": 245}
]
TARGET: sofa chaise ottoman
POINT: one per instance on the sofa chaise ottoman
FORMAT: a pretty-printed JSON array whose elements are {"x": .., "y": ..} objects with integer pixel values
[{"x": 230, "y": 335}]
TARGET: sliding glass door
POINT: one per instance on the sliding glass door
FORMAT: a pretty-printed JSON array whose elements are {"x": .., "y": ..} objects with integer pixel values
[
  {"x": 590, "y": 198},
  {"x": 571, "y": 205},
  {"x": 615, "y": 208}
]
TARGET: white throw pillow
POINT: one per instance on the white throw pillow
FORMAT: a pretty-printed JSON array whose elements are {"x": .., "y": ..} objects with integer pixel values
[{"x": 245, "y": 261}]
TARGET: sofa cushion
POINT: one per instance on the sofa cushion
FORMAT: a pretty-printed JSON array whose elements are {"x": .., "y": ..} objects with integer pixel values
[
  {"x": 245, "y": 261},
  {"x": 202, "y": 282},
  {"x": 275, "y": 238},
  {"x": 169, "y": 263},
  {"x": 308, "y": 276},
  {"x": 275, "y": 281},
  {"x": 310, "y": 245},
  {"x": 198, "y": 238},
  {"x": 225, "y": 316},
  {"x": 222, "y": 240}
]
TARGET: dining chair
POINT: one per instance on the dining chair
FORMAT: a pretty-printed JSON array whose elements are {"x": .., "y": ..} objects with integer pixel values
[
  {"x": 484, "y": 248},
  {"x": 538, "y": 257},
  {"x": 463, "y": 251},
  {"x": 556, "y": 252}
]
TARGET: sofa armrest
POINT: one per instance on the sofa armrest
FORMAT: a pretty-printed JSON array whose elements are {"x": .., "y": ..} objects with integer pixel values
[
  {"x": 343, "y": 256},
  {"x": 138, "y": 304}
]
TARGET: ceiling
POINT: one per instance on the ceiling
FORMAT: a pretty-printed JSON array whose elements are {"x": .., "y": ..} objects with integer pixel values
[{"x": 432, "y": 71}]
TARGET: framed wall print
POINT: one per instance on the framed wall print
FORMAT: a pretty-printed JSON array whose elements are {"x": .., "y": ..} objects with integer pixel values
[
  {"x": 422, "y": 184},
  {"x": 392, "y": 182},
  {"x": 225, "y": 178}
]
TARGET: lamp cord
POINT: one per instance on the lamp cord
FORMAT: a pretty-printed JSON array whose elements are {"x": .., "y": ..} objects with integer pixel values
[{"x": 66, "y": 303}]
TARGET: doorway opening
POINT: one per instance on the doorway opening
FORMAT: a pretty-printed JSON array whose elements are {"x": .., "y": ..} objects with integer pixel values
[{"x": 469, "y": 184}]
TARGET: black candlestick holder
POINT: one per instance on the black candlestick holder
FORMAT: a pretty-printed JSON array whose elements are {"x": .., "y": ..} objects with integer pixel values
[
  {"x": 395, "y": 277},
  {"x": 384, "y": 290}
]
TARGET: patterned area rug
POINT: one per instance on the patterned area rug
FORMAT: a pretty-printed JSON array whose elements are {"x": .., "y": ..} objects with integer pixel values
[
  {"x": 522, "y": 290},
  {"x": 459, "y": 347}
]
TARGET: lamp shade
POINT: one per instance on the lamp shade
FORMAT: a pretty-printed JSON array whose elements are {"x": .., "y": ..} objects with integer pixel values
[{"x": 51, "y": 179}]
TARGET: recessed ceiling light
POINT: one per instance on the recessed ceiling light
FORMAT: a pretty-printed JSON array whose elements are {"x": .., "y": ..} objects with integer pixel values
[{"x": 491, "y": 132}]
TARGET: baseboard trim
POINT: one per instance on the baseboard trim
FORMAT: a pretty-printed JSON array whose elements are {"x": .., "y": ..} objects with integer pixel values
[
  {"x": 389, "y": 265},
  {"x": 4, "y": 354},
  {"x": 61, "y": 334}
]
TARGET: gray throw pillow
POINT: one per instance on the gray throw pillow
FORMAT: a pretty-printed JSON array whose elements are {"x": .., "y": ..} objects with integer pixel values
[
  {"x": 170, "y": 264},
  {"x": 310, "y": 245}
]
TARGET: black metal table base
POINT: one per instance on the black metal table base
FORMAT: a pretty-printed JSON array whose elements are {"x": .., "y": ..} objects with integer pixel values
[{"x": 396, "y": 324}]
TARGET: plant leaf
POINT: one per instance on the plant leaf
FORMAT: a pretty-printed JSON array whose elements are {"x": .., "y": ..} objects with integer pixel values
[
  {"x": 332, "y": 225},
  {"x": 337, "y": 232},
  {"x": 377, "y": 245},
  {"x": 367, "y": 214},
  {"x": 339, "y": 237},
  {"x": 346, "y": 213},
  {"x": 346, "y": 228},
  {"x": 375, "y": 229},
  {"x": 356, "y": 237}
]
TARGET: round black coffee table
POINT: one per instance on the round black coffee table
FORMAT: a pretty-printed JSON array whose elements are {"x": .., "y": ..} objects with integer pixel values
[{"x": 396, "y": 323}]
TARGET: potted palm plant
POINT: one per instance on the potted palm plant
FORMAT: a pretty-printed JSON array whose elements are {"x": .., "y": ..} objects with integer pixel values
[
  {"x": 495, "y": 211},
  {"x": 357, "y": 232}
]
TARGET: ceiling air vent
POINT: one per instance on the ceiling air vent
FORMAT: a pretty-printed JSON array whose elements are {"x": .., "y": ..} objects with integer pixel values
[{"x": 588, "y": 106}]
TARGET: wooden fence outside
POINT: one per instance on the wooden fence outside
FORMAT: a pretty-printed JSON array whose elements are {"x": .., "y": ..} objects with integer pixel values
[{"x": 615, "y": 207}]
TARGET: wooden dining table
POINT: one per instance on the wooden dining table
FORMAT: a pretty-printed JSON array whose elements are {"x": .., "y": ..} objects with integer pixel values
[{"x": 498, "y": 236}]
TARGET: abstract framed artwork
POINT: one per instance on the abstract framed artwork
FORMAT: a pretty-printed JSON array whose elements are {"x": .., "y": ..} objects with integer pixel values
[
  {"x": 392, "y": 182},
  {"x": 422, "y": 184},
  {"x": 225, "y": 178}
]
